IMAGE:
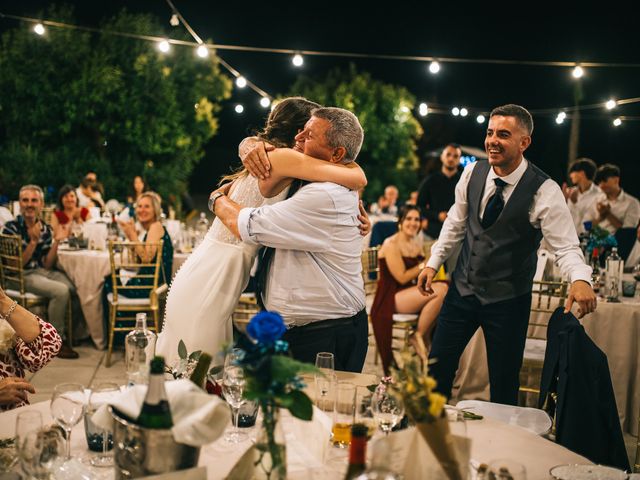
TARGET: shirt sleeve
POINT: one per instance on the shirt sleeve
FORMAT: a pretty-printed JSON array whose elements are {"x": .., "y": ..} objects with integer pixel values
[
  {"x": 455, "y": 226},
  {"x": 551, "y": 214},
  {"x": 37, "y": 353},
  {"x": 632, "y": 215},
  {"x": 305, "y": 221}
]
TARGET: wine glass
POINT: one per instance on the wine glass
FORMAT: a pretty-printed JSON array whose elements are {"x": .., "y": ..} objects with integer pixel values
[
  {"x": 232, "y": 387},
  {"x": 387, "y": 409},
  {"x": 29, "y": 443},
  {"x": 233, "y": 357},
  {"x": 67, "y": 408},
  {"x": 325, "y": 362},
  {"x": 98, "y": 439}
]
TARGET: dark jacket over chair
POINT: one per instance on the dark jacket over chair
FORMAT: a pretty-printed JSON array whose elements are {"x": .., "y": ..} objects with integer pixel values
[{"x": 586, "y": 415}]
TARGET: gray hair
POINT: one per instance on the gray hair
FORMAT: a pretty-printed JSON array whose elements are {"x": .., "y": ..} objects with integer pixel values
[
  {"x": 33, "y": 188},
  {"x": 344, "y": 131},
  {"x": 521, "y": 114}
]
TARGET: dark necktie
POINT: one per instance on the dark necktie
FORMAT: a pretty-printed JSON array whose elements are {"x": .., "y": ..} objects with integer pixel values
[
  {"x": 494, "y": 205},
  {"x": 265, "y": 255}
]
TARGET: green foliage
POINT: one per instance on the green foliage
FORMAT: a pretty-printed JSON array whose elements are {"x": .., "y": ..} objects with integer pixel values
[
  {"x": 73, "y": 101},
  {"x": 388, "y": 153}
]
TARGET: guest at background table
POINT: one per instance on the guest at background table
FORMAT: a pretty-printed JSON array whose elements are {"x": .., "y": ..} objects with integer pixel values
[
  {"x": 148, "y": 213},
  {"x": 88, "y": 194},
  {"x": 26, "y": 343},
  {"x": 138, "y": 187},
  {"x": 581, "y": 198},
  {"x": 436, "y": 193},
  {"x": 387, "y": 203},
  {"x": 39, "y": 255},
  {"x": 504, "y": 207},
  {"x": 614, "y": 208},
  {"x": 68, "y": 211},
  {"x": 401, "y": 261}
]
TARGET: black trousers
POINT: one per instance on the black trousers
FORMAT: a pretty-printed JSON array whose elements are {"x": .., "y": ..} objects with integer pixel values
[
  {"x": 505, "y": 329},
  {"x": 346, "y": 338}
]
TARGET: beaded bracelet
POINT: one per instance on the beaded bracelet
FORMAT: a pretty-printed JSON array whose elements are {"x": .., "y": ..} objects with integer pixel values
[{"x": 9, "y": 312}]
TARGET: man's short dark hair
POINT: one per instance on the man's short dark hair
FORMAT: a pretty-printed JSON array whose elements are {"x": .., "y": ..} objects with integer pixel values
[
  {"x": 606, "y": 171},
  {"x": 521, "y": 114},
  {"x": 585, "y": 165}
]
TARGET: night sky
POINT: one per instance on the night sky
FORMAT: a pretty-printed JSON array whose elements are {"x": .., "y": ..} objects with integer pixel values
[{"x": 501, "y": 31}]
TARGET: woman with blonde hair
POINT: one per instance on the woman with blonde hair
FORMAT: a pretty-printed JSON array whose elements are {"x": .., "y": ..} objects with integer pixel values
[{"x": 205, "y": 291}]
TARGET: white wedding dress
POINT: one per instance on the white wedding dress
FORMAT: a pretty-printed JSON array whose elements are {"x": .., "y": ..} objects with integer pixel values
[{"x": 207, "y": 287}]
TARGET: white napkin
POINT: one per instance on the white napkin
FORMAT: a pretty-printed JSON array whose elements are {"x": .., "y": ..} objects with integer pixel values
[{"x": 198, "y": 418}]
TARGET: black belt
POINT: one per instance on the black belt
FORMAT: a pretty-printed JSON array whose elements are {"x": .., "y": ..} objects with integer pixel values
[{"x": 324, "y": 324}]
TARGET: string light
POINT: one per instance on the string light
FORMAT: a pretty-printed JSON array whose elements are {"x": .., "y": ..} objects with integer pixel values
[
  {"x": 423, "y": 109},
  {"x": 463, "y": 112},
  {"x": 174, "y": 21},
  {"x": 202, "y": 51},
  {"x": 241, "y": 82},
  {"x": 611, "y": 104},
  {"x": 239, "y": 108},
  {"x": 617, "y": 122},
  {"x": 578, "y": 72},
  {"x": 297, "y": 60},
  {"x": 434, "y": 67},
  {"x": 455, "y": 111},
  {"x": 265, "y": 102},
  {"x": 480, "y": 119},
  {"x": 164, "y": 46},
  {"x": 39, "y": 29},
  {"x": 560, "y": 118}
]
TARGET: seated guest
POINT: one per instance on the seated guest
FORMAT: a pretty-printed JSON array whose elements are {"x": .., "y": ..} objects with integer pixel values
[
  {"x": 401, "y": 261},
  {"x": 89, "y": 195},
  {"x": 97, "y": 186},
  {"x": 138, "y": 187},
  {"x": 26, "y": 343},
  {"x": 68, "y": 210},
  {"x": 39, "y": 255},
  {"x": 413, "y": 198},
  {"x": 614, "y": 208},
  {"x": 148, "y": 212},
  {"x": 387, "y": 203},
  {"x": 581, "y": 198}
]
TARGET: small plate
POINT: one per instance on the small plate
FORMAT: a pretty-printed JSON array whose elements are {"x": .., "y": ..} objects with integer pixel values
[{"x": 587, "y": 472}]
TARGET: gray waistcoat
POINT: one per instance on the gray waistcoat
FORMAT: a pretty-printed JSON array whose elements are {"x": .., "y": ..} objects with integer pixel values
[{"x": 499, "y": 263}]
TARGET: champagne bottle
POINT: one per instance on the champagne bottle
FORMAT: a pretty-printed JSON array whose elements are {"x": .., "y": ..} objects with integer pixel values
[
  {"x": 155, "y": 411},
  {"x": 199, "y": 374},
  {"x": 357, "y": 451}
]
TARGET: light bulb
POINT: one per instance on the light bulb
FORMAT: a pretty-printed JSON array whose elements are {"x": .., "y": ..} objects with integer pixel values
[
  {"x": 578, "y": 72},
  {"x": 434, "y": 67},
  {"x": 455, "y": 111},
  {"x": 265, "y": 102},
  {"x": 39, "y": 29},
  {"x": 297, "y": 60},
  {"x": 202, "y": 51},
  {"x": 480, "y": 119},
  {"x": 239, "y": 108},
  {"x": 241, "y": 82},
  {"x": 463, "y": 112},
  {"x": 423, "y": 109},
  {"x": 611, "y": 104},
  {"x": 617, "y": 122},
  {"x": 164, "y": 46}
]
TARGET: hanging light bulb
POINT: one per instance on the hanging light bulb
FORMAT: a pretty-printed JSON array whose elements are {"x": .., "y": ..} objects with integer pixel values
[
  {"x": 578, "y": 72},
  {"x": 239, "y": 108},
  {"x": 480, "y": 119},
  {"x": 463, "y": 112},
  {"x": 434, "y": 67},
  {"x": 39, "y": 29},
  {"x": 297, "y": 60},
  {"x": 164, "y": 46},
  {"x": 265, "y": 102},
  {"x": 174, "y": 21},
  {"x": 241, "y": 82},
  {"x": 455, "y": 111},
  {"x": 423, "y": 109},
  {"x": 617, "y": 122},
  {"x": 202, "y": 51},
  {"x": 611, "y": 104}
]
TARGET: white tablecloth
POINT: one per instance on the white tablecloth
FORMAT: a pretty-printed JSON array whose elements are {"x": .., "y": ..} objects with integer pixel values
[
  {"x": 87, "y": 269},
  {"x": 614, "y": 327}
]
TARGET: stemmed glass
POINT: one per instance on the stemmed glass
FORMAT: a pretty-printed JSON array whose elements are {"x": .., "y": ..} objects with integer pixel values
[
  {"x": 67, "y": 408},
  {"x": 232, "y": 357},
  {"x": 387, "y": 409},
  {"x": 29, "y": 443},
  {"x": 103, "y": 393},
  {"x": 233, "y": 387},
  {"x": 326, "y": 364}
]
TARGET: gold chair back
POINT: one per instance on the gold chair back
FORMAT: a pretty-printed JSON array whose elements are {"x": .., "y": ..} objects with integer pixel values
[
  {"x": 11, "y": 271},
  {"x": 370, "y": 269},
  {"x": 246, "y": 308}
]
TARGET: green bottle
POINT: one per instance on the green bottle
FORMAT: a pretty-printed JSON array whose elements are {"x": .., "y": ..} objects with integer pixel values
[
  {"x": 199, "y": 374},
  {"x": 155, "y": 411}
]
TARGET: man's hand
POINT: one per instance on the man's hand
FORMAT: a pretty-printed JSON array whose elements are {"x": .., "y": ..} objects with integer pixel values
[
  {"x": 581, "y": 292},
  {"x": 257, "y": 160},
  {"x": 424, "y": 281},
  {"x": 442, "y": 216},
  {"x": 35, "y": 232},
  {"x": 603, "y": 209},
  {"x": 365, "y": 223},
  {"x": 570, "y": 193},
  {"x": 14, "y": 390}
]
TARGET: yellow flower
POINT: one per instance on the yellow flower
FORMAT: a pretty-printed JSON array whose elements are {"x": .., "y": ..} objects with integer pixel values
[
  {"x": 436, "y": 404},
  {"x": 410, "y": 388}
]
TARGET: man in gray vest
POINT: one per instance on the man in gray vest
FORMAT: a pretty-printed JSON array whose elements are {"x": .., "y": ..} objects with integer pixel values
[{"x": 504, "y": 207}]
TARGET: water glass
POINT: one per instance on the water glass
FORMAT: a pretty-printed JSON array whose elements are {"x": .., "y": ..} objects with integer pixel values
[
  {"x": 29, "y": 443},
  {"x": 99, "y": 440},
  {"x": 325, "y": 391},
  {"x": 343, "y": 414},
  {"x": 67, "y": 408},
  {"x": 457, "y": 422},
  {"x": 506, "y": 469},
  {"x": 387, "y": 409},
  {"x": 325, "y": 361},
  {"x": 247, "y": 414},
  {"x": 233, "y": 387},
  {"x": 629, "y": 288}
]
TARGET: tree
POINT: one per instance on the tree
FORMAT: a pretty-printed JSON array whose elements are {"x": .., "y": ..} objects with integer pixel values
[
  {"x": 74, "y": 101},
  {"x": 388, "y": 153}
]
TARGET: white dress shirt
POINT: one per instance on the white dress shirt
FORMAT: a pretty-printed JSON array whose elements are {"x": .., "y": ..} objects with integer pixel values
[
  {"x": 548, "y": 212},
  {"x": 581, "y": 208},
  {"x": 316, "y": 273},
  {"x": 625, "y": 208}
]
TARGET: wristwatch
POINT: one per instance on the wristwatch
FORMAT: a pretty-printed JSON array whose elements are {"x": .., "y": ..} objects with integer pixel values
[{"x": 212, "y": 200}]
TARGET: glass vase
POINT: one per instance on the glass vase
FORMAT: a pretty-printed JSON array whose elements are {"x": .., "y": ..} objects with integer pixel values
[{"x": 270, "y": 447}]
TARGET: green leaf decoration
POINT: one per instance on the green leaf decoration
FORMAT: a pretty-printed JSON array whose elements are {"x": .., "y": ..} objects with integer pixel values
[
  {"x": 284, "y": 368},
  {"x": 216, "y": 370},
  {"x": 301, "y": 406},
  {"x": 182, "y": 350},
  {"x": 195, "y": 355}
]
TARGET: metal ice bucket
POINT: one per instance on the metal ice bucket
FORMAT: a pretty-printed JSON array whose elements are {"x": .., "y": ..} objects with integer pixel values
[{"x": 139, "y": 452}]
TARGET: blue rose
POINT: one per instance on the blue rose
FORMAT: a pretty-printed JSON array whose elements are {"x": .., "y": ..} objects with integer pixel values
[{"x": 266, "y": 327}]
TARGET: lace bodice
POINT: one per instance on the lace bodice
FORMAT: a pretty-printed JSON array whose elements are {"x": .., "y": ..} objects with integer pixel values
[{"x": 246, "y": 193}]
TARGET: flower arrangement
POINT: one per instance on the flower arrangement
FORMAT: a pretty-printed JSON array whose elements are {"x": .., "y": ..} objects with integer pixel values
[
  {"x": 425, "y": 408},
  {"x": 601, "y": 239},
  {"x": 273, "y": 380}
]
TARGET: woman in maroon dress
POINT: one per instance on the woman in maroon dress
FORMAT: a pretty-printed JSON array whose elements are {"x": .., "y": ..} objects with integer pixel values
[
  {"x": 401, "y": 260},
  {"x": 68, "y": 210}
]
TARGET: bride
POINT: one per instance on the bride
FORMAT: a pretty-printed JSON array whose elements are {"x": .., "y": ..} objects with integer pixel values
[{"x": 206, "y": 289}]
